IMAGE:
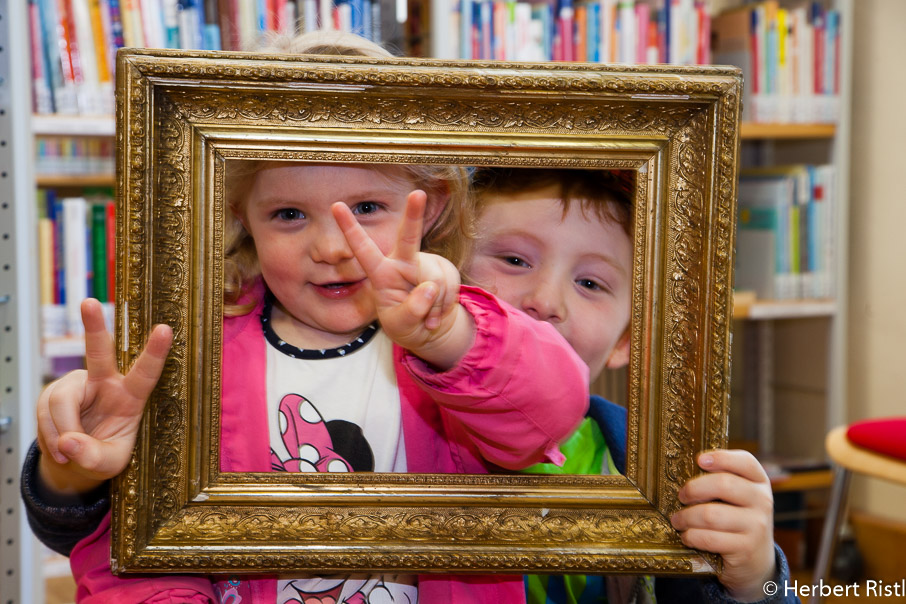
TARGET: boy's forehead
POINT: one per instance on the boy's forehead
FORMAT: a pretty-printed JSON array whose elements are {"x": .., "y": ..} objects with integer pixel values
[{"x": 550, "y": 196}]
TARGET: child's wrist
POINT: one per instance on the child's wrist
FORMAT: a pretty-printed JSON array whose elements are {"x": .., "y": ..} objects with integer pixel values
[
  {"x": 447, "y": 350},
  {"x": 754, "y": 592}
]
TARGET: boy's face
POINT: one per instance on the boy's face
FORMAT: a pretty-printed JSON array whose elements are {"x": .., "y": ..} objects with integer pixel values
[
  {"x": 573, "y": 272},
  {"x": 323, "y": 296}
]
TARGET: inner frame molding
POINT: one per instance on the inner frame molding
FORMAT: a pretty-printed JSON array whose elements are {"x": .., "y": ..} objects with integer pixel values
[{"x": 182, "y": 115}]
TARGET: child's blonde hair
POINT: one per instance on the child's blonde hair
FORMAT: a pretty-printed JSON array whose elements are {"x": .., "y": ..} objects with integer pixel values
[
  {"x": 608, "y": 194},
  {"x": 329, "y": 42}
]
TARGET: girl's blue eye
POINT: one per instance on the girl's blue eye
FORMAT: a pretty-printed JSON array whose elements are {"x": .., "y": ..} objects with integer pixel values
[
  {"x": 366, "y": 207},
  {"x": 289, "y": 214},
  {"x": 515, "y": 261}
]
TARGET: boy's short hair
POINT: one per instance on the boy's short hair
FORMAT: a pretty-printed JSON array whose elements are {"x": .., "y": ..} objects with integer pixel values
[{"x": 606, "y": 193}]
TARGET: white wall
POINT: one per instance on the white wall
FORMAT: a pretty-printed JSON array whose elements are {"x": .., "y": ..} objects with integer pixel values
[{"x": 877, "y": 259}]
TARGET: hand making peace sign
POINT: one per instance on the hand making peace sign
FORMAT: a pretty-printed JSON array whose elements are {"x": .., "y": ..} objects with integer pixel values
[
  {"x": 88, "y": 419},
  {"x": 416, "y": 293}
]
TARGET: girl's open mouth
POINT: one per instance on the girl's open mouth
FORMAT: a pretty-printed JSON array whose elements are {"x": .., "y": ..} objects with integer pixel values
[{"x": 339, "y": 290}]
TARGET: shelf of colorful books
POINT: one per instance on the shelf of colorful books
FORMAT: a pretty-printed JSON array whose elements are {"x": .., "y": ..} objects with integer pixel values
[
  {"x": 760, "y": 131},
  {"x": 73, "y": 125},
  {"x": 783, "y": 309}
]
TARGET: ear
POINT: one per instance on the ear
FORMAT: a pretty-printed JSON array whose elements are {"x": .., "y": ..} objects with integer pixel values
[
  {"x": 240, "y": 218},
  {"x": 619, "y": 356},
  {"x": 437, "y": 201}
]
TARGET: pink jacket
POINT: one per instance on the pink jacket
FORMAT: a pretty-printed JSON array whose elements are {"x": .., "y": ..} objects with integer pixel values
[{"x": 516, "y": 394}]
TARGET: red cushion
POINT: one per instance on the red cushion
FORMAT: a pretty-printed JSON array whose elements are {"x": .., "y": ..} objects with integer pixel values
[{"x": 886, "y": 435}]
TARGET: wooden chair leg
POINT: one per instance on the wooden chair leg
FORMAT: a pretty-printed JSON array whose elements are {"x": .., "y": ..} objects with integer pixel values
[{"x": 836, "y": 510}]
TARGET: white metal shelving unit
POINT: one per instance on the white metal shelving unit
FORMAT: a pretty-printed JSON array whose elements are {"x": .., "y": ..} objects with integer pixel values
[{"x": 20, "y": 578}]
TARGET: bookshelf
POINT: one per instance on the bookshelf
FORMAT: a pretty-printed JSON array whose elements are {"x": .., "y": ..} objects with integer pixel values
[
  {"x": 789, "y": 359},
  {"x": 763, "y": 144},
  {"x": 773, "y": 131},
  {"x": 793, "y": 365}
]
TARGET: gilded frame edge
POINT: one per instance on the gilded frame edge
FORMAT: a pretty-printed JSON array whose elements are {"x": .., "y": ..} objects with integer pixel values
[{"x": 686, "y": 198}]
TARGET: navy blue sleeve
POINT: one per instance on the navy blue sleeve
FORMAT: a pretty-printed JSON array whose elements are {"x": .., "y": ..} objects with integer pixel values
[
  {"x": 611, "y": 419},
  {"x": 60, "y": 522}
]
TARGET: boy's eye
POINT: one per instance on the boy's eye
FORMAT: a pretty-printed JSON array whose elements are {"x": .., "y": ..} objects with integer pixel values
[
  {"x": 365, "y": 208},
  {"x": 289, "y": 214},
  {"x": 589, "y": 284}
]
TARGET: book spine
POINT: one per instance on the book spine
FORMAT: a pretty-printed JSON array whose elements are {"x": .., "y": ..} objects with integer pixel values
[
  {"x": 819, "y": 45},
  {"x": 593, "y": 35},
  {"x": 46, "y": 260},
  {"x": 41, "y": 85},
  {"x": 309, "y": 15},
  {"x": 653, "y": 55},
  {"x": 84, "y": 42},
  {"x": 465, "y": 29},
  {"x": 116, "y": 28},
  {"x": 376, "y": 28},
  {"x": 75, "y": 246},
  {"x": 487, "y": 30},
  {"x": 703, "y": 18},
  {"x": 101, "y": 51},
  {"x": 626, "y": 31},
  {"x": 211, "y": 28},
  {"x": 72, "y": 58},
  {"x": 131, "y": 38},
  {"x": 99, "y": 251},
  {"x": 170, "y": 23},
  {"x": 325, "y": 14},
  {"x": 55, "y": 213},
  {"x": 581, "y": 33},
  {"x": 566, "y": 30},
  {"x": 642, "y": 16}
]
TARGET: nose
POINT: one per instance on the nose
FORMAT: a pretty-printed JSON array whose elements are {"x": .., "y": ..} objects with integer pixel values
[
  {"x": 544, "y": 301},
  {"x": 329, "y": 245}
]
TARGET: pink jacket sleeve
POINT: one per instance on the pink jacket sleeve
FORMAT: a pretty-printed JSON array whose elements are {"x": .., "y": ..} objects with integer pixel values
[
  {"x": 96, "y": 584},
  {"x": 519, "y": 391}
]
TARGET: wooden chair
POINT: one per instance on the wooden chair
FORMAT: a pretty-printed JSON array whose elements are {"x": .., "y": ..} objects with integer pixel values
[{"x": 874, "y": 447}]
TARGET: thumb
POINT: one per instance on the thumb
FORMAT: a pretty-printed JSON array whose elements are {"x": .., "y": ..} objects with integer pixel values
[{"x": 96, "y": 458}]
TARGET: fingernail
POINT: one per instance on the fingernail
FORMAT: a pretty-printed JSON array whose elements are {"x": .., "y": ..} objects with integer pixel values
[
  {"x": 705, "y": 460},
  {"x": 430, "y": 290},
  {"x": 60, "y": 458}
]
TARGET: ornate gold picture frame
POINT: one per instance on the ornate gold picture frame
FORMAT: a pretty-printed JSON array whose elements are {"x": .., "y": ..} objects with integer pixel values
[{"x": 182, "y": 115}]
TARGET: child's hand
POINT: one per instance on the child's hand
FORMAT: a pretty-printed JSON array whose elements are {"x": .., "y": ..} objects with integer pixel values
[
  {"x": 416, "y": 294},
  {"x": 731, "y": 512},
  {"x": 88, "y": 419}
]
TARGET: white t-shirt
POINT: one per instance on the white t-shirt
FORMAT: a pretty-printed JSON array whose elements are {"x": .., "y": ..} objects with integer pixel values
[{"x": 336, "y": 410}]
